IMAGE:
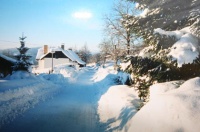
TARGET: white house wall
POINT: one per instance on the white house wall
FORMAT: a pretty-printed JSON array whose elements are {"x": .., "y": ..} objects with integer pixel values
[
  {"x": 41, "y": 64},
  {"x": 47, "y": 63}
]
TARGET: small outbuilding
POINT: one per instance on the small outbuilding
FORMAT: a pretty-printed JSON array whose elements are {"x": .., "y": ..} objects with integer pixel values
[{"x": 6, "y": 65}]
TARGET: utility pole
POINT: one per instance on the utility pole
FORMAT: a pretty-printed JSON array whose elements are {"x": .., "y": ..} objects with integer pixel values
[{"x": 52, "y": 52}]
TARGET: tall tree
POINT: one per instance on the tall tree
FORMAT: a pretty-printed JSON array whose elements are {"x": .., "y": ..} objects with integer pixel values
[
  {"x": 117, "y": 30},
  {"x": 85, "y": 53},
  {"x": 23, "y": 62},
  {"x": 166, "y": 14},
  {"x": 105, "y": 50}
]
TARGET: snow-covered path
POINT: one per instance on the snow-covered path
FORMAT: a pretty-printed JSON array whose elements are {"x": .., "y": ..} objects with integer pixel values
[{"x": 73, "y": 110}]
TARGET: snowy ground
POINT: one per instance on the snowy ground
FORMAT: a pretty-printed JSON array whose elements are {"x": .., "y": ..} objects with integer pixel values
[
  {"x": 89, "y": 100},
  {"x": 66, "y": 100},
  {"x": 72, "y": 109}
]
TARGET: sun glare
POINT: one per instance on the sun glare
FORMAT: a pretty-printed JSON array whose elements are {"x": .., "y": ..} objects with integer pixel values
[{"x": 82, "y": 15}]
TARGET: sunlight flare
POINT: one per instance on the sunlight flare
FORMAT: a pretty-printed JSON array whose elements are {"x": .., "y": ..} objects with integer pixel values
[{"x": 82, "y": 15}]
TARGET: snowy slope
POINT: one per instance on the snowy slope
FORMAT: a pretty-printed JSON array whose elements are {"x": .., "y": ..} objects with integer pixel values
[
  {"x": 117, "y": 106},
  {"x": 171, "y": 108}
]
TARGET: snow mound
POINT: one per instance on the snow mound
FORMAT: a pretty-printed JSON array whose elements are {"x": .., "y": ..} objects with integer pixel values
[
  {"x": 21, "y": 75},
  {"x": 170, "y": 110},
  {"x": 117, "y": 106},
  {"x": 124, "y": 78},
  {"x": 103, "y": 72},
  {"x": 162, "y": 88}
]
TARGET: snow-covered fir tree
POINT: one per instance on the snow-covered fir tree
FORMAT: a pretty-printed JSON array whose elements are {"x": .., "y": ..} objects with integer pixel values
[
  {"x": 23, "y": 62},
  {"x": 165, "y": 14},
  {"x": 170, "y": 29}
]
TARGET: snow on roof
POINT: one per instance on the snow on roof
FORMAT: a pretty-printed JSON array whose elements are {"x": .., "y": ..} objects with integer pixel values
[
  {"x": 40, "y": 53},
  {"x": 8, "y": 58},
  {"x": 69, "y": 53},
  {"x": 76, "y": 57}
]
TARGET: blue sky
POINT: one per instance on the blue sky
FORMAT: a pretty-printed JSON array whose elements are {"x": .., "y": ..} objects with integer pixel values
[{"x": 52, "y": 22}]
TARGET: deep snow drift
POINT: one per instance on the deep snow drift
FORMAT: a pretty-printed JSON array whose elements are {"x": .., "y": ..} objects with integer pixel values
[
  {"x": 117, "y": 106},
  {"x": 171, "y": 108}
]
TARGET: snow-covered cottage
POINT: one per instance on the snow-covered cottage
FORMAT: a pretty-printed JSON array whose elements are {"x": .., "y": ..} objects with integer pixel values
[
  {"x": 49, "y": 57},
  {"x": 6, "y": 64}
]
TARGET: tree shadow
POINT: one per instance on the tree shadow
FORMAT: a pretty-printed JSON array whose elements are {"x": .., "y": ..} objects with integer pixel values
[{"x": 126, "y": 114}]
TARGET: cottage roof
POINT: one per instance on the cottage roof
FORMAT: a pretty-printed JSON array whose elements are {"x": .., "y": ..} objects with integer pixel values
[
  {"x": 8, "y": 58},
  {"x": 68, "y": 53},
  {"x": 76, "y": 57}
]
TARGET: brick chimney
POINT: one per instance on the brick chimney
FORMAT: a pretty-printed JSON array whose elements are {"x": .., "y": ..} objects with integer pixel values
[
  {"x": 45, "y": 49},
  {"x": 63, "y": 46}
]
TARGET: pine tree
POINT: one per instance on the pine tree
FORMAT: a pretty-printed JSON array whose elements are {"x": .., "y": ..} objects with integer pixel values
[
  {"x": 165, "y": 14},
  {"x": 168, "y": 15},
  {"x": 23, "y": 62}
]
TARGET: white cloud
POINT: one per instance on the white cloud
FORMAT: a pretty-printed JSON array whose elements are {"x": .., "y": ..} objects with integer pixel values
[{"x": 82, "y": 15}]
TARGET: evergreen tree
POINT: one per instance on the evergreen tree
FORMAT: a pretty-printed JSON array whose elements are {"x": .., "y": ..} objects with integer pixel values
[
  {"x": 165, "y": 14},
  {"x": 169, "y": 15},
  {"x": 23, "y": 62}
]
